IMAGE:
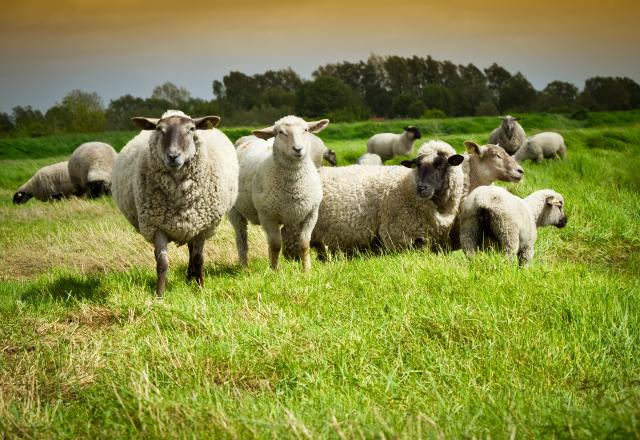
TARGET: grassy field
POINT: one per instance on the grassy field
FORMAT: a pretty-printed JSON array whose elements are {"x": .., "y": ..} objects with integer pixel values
[{"x": 410, "y": 345}]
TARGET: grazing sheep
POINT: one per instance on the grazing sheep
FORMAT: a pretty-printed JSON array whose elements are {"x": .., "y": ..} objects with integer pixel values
[
  {"x": 279, "y": 187},
  {"x": 509, "y": 135},
  {"x": 90, "y": 167},
  {"x": 388, "y": 145},
  {"x": 546, "y": 145},
  {"x": 318, "y": 150},
  {"x": 369, "y": 159},
  {"x": 175, "y": 181},
  {"x": 491, "y": 215},
  {"x": 397, "y": 207},
  {"x": 51, "y": 182}
]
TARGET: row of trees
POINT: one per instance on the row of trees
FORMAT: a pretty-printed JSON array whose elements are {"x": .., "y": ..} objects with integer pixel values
[{"x": 389, "y": 87}]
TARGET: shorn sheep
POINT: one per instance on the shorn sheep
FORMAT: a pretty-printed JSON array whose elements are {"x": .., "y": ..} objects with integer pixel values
[
  {"x": 174, "y": 182},
  {"x": 395, "y": 206},
  {"x": 509, "y": 135},
  {"x": 491, "y": 216},
  {"x": 388, "y": 145},
  {"x": 369, "y": 159},
  {"x": 545, "y": 145},
  {"x": 279, "y": 187},
  {"x": 90, "y": 167},
  {"x": 51, "y": 182}
]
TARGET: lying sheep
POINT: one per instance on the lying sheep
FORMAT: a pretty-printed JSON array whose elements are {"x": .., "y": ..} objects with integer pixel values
[
  {"x": 90, "y": 167},
  {"x": 369, "y": 159},
  {"x": 388, "y": 145},
  {"x": 397, "y": 206},
  {"x": 491, "y": 215},
  {"x": 546, "y": 145},
  {"x": 509, "y": 135},
  {"x": 175, "y": 181},
  {"x": 51, "y": 182},
  {"x": 318, "y": 151},
  {"x": 279, "y": 187}
]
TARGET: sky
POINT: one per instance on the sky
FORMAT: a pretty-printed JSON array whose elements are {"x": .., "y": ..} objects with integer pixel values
[{"x": 120, "y": 47}]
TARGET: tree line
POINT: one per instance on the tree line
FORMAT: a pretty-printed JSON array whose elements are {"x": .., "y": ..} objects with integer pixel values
[{"x": 380, "y": 87}]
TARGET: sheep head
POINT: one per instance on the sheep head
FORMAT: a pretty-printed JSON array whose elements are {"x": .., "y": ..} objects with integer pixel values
[
  {"x": 553, "y": 212},
  {"x": 291, "y": 136},
  {"x": 431, "y": 176},
  {"x": 174, "y": 136},
  {"x": 493, "y": 163},
  {"x": 413, "y": 132},
  {"x": 330, "y": 156},
  {"x": 21, "y": 197},
  {"x": 509, "y": 125}
]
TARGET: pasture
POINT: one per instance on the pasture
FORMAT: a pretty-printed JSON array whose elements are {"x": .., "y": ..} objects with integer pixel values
[{"x": 406, "y": 345}]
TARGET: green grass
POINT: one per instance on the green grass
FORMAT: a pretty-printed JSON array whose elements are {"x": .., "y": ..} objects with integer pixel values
[{"x": 407, "y": 345}]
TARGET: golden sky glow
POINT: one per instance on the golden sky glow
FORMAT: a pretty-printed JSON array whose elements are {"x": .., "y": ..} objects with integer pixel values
[{"x": 117, "y": 47}]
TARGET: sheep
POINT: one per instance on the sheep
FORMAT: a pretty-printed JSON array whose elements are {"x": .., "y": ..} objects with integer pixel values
[
  {"x": 51, "y": 182},
  {"x": 387, "y": 145},
  {"x": 369, "y": 159},
  {"x": 546, "y": 145},
  {"x": 279, "y": 187},
  {"x": 491, "y": 215},
  {"x": 399, "y": 207},
  {"x": 318, "y": 150},
  {"x": 174, "y": 182},
  {"x": 509, "y": 135},
  {"x": 90, "y": 167}
]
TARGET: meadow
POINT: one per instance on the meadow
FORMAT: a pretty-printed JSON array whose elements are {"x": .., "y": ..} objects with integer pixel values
[{"x": 405, "y": 345}]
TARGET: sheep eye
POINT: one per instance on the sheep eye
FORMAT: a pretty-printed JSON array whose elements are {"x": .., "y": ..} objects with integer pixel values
[{"x": 192, "y": 129}]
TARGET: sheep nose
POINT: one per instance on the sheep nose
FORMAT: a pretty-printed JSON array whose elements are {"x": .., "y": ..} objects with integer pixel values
[
  {"x": 173, "y": 156},
  {"x": 297, "y": 149},
  {"x": 519, "y": 170}
]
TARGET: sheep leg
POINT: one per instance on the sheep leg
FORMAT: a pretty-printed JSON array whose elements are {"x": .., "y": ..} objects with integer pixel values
[
  {"x": 240, "y": 225},
  {"x": 196, "y": 260},
  {"x": 306, "y": 228},
  {"x": 274, "y": 238},
  {"x": 290, "y": 242},
  {"x": 160, "y": 242},
  {"x": 526, "y": 255}
]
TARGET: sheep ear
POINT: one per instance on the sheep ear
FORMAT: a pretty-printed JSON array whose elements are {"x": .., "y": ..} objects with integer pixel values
[
  {"x": 265, "y": 133},
  {"x": 455, "y": 160},
  {"x": 408, "y": 163},
  {"x": 472, "y": 147},
  {"x": 206, "y": 122},
  {"x": 553, "y": 201},
  {"x": 145, "y": 123},
  {"x": 317, "y": 126}
]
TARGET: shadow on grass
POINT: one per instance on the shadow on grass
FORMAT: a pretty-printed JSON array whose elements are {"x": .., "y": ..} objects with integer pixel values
[{"x": 67, "y": 288}]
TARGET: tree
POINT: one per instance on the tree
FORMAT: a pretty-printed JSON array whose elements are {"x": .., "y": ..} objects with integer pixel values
[
  {"x": 609, "y": 93},
  {"x": 78, "y": 112},
  {"x": 438, "y": 97},
  {"x": 28, "y": 121},
  {"x": 171, "y": 93},
  {"x": 6, "y": 125},
  {"x": 557, "y": 96},
  {"x": 327, "y": 96},
  {"x": 516, "y": 94}
]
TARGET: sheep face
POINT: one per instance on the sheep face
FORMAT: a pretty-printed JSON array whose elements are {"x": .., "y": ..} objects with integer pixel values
[
  {"x": 495, "y": 163},
  {"x": 330, "y": 156},
  {"x": 21, "y": 197},
  {"x": 553, "y": 212},
  {"x": 431, "y": 176},
  {"x": 291, "y": 135},
  {"x": 174, "y": 138},
  {"x": 509, "y": 125},
  {"x": 413, "y": 132}
]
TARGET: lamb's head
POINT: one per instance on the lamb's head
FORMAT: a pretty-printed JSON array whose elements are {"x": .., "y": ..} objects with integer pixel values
[
  {"x": 508, "y": 125},
  {"x": 492, "y": 162},
  {"x": 21, "y": 197},
  {"x": 330, "y": 156},
  {"x": 291, "y": 136},
  {"x": 413, "y": 132},
  {"x": 550, "y": 206},
  {"x": 432, "y": 172},
  {"x": 174, "y": 136}
]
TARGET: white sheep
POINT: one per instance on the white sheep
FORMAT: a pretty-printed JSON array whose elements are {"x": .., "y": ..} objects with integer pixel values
[
  {"x": 369, "y": 159},
  {"x": 398, "y": 207},
  {"x": 175, "y": 181},
  {"x": 318, "y": 151},
  {"x": 50, "y": 182},
  {"x": 90, "y": 167},
  {"x": 279, "y": 187},
  {"x": 545, "y": 145},
  {"x": 388, "y": 145},
  {"x": 509, "y": 135},
  {"x": 491, "y": 215}
]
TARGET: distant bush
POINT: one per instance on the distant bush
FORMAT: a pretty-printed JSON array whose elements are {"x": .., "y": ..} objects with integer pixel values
[{"x": 433, "y": 113}]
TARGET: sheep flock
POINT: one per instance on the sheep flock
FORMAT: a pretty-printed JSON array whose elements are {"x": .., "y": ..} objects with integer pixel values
[{"x": 179, "y": 177}]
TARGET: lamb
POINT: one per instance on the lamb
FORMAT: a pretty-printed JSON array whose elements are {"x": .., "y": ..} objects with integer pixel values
[
  {"x": 51, "y": 182},
  {"x": 509, "y": 135},
  {"x": 546, "y": 145},
  {"x": 90, "y": 167},
  {"x": 492, "y": 215},
  {"x": 369, "y": 159},
  {"x": 396, "y": 206},
  {"x": 318, "y": 150},
  {"x": 388, "y": 145},
  {"x": 279, "y": 187},
  {"x": 174, "y": 182}
]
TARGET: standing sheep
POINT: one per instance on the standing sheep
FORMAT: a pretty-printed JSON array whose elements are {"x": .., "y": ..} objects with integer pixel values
[
  {"x": 318, "y": 151},
  {"x": 492, "y": 215},
  {"x": 545, "y": 145},
  {"x": 51, "y": 182},
  {"x": 175, "y": 181},
  {"x": 90, "y": 167},
  {"x": 388, "y": 145},
  {"x": 399, "y": 207},
  {"x": 509, "y": 135},
  {"x": 279, "y": 187},
  {"x": 369, "y": 159}
]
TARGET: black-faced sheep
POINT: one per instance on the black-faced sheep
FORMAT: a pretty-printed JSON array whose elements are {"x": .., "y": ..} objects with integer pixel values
[
  {"x": 388, "y": 145},
  {"x": 51, "y": 182},
  {"x": 90, "y": 167}
]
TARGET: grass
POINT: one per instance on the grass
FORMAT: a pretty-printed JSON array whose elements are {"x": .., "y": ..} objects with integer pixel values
[{"x": 405, "y": 345}]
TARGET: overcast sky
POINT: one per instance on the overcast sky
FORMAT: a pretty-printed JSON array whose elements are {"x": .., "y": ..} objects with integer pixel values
[{"x": 119, "y": 47}]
